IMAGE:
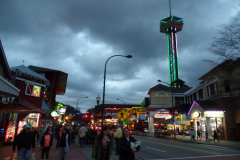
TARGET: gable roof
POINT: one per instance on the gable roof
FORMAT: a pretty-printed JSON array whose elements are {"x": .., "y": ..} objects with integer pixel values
[
  {"x": 28, "y": 71},
  {"x": 60, "y": 78},
  {"x": 224, "y": 65},
  {"x": 3, "y": 61},
  {"x": 159, "y": 87},
  {"x": 210, "y": 105}
]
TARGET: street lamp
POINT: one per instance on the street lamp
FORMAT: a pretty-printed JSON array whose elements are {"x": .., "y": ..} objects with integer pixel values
[
  {"x": 128, "y": 56},
  {"x": 79, "y": 99},
  {"x": 121, "y": 108},
  {"x": 98, "y": 99},
  {"x": 171, "y": 85}
]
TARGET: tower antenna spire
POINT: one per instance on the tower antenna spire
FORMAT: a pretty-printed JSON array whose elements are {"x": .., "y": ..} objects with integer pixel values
[{"x": 170, "y": 7}]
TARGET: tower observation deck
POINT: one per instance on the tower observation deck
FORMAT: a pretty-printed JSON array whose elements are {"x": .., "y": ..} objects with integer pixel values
[{"x": 171, "y": 26}]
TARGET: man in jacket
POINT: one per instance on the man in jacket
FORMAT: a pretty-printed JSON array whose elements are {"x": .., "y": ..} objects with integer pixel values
[
  {"x": 82, "y": 135},
  {"x": 24, "y": 141},
  {"x": 117, "y": 137}
]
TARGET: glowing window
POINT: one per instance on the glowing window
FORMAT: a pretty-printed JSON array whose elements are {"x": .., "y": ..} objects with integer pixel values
[{"x": 36, "y": 91}]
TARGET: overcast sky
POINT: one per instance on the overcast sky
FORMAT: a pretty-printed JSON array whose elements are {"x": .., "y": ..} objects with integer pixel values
[{"x": 78, "y": 36}]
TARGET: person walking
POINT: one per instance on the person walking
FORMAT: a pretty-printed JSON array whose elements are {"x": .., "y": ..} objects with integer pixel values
[
  {"x": 215, "y": 135},
  {"x": 126, "y": 152},
  {"x": 89, "y": 136},
  {"x": 183, "y": 132},
  {"x": 41, "y": 132},
  {"x": 82, "y": 135},
  {"x": 46, "y": 143},
  {"x": 76, "y": 130},
  {"x": 117, "y": 137},
  {"x": 192, "y": 135},
  {"x": 36, "y": 132},
  {"x": 70, "y": 131},
  {"x": 198, "y": 134},
  {"x": 63, "y": 143},
  {"x": 206, "y": 134},
  {"x": 94, "y": 136},
  {"x": 103, "y": 145},
  {"x": 24, "y": 141},
  {"x": 57, "y": 131}
]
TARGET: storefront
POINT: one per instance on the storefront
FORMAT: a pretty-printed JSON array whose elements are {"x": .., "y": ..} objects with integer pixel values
[
  {"x": 158, "y": 118},
  {"x": 207, "y": 116}
]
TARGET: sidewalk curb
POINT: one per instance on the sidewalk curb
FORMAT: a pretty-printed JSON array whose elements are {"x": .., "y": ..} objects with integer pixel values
[{"x": 205, "y": 143}]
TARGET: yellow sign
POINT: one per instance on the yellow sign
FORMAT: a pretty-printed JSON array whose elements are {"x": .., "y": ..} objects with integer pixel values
[{"x": 122, "y": 115}]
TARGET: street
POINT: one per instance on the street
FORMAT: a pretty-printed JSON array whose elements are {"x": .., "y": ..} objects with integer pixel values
[{"x": 155, "y": 149}]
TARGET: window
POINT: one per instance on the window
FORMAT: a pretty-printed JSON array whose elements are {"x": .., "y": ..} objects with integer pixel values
[
  {"x": 227, "y": 86},
  {"x": 212, "y": 89},
  {"x": 200, "y": 94},
  {"x": 194, "y": 96},
  {"x": 33, "y": 90}
]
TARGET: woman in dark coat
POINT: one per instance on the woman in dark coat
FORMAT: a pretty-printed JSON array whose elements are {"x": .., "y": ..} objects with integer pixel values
[{"x": 126, "y": 152}]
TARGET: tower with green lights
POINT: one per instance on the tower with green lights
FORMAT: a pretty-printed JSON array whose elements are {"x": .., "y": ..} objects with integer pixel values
[{"x": 170, "y": 26}]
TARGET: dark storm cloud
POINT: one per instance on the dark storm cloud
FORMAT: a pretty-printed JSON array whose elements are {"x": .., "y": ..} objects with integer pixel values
[{"x": 77, "y": 37}]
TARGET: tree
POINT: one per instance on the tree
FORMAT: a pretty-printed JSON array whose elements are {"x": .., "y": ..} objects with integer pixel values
[{"x": 227, "y": 44}]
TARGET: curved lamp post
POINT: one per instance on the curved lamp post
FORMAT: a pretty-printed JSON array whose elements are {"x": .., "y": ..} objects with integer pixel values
[
  {"x": 79, "y": 99},
  {"x": 128, "y": 56},
  {"x": 171, "y": 85}
]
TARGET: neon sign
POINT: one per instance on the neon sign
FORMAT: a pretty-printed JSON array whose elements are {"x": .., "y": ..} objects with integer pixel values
[
  {"x": 162, "y": 115},
  {"x": 54, "y": 114},
  {"x": 36, "y": 91}
]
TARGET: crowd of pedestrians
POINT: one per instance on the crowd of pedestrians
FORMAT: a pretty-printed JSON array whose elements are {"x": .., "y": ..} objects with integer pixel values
[{"x": 100, "y": 140}]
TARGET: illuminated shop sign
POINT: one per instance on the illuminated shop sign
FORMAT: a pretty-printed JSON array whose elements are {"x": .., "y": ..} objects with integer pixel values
[
  {"x": 162, "y": 115},
  {"x": 196, "y": 114},
  {"x": 62, "y": 110},
  {"x": 33, "y": 90},
  {"x": 54, "y": 114}
]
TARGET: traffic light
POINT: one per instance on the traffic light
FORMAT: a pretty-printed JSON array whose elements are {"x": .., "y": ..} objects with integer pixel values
[{"x": 86, "y": 116}]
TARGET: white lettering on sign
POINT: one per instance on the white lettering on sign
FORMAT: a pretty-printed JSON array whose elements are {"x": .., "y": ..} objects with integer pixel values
[
  {"x": 162, "y": 115},
  {"x": 62, "y": 110}
]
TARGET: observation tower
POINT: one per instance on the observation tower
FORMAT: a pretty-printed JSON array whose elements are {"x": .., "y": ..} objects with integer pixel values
[{"x": 170, "y": 26}]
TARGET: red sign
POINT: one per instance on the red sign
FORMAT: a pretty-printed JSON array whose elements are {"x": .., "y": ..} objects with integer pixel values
[{"x": 10, "y": 131}]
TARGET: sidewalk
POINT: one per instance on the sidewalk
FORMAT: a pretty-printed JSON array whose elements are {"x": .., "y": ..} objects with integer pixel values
[
  {"x": 222, "y": 143},
  {"x": 73, "y": 153},
  {"x": 87, "y": 151}
]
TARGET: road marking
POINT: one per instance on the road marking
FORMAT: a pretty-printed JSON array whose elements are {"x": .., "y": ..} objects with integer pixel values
[
  {"x": 181, "y": 147},
  {"x": 156, "y": 149},
  {"x": 200, "y": 157}
]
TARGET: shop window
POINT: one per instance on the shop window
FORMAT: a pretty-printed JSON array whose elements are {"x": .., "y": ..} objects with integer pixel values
[{"x": 227, "y": 86}]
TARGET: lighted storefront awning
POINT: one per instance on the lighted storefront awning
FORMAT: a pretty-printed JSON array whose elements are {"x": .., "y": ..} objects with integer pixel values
[
  {"x": 142, "y": 117},
  {"x": 136, "y": 118},
  {"x": 176, "y": 123}
]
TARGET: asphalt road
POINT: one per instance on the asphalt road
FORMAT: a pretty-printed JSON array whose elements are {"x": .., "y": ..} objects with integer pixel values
[{"x": 155, "y": 149}]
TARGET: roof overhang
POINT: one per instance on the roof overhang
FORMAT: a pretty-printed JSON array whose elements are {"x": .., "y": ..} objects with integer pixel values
[
  {"x": 7, "y": 87},
  {"x": 3, "y": 61},
  {"x": 21, "y": 107}
]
